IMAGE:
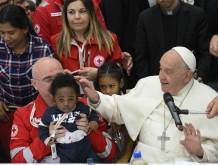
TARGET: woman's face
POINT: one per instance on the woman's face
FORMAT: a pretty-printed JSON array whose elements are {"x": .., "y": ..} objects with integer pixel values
[
  {"x": 12, "y": 36},
  {"x": 77, "y": 16}
]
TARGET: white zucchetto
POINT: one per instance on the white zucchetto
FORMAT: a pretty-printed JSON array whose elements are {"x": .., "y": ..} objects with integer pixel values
[{"x": 187, "y": 56}]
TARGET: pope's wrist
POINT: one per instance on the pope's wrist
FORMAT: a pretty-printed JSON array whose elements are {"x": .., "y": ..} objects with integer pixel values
[{"x": 94, "y": 100}]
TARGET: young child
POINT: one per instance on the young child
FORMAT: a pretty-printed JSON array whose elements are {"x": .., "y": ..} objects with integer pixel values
[
  {"x": 110, "y": 80},
  {"x": 74, "y": 147}
]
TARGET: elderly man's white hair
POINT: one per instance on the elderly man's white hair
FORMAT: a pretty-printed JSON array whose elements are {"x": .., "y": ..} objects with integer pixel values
[{"x": 187, "y": 56}]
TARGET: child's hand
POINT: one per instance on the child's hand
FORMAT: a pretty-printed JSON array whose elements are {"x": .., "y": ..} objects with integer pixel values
[
  {"x": 51, "y": 141},
  {"x": 52, "y": 128},
  {"x": 60, "y": 131},
  {"x": 93, "y": 125},
  {"x": 83, "y": 123}
]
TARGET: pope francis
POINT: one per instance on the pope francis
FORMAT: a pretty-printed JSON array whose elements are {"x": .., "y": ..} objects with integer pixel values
[{"x": 146, "y": 116}]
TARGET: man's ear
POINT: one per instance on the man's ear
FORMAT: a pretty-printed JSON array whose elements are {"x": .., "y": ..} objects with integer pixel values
[
  {"x": 33, "y": 83},
  {"x": 188, "y": 76},
  {"x": 53, "y": 100},
  {"x": 25, "y": 31}
]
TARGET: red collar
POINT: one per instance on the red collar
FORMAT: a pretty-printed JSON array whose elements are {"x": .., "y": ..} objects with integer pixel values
[
  {"x": 60, "y": 3},
  {"x": 41, "y": 106}
]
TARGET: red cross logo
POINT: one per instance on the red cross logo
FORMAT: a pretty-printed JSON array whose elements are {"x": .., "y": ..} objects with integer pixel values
[
  {"x": 99, "y": 60},
  {"x": 14, "y": 130}
]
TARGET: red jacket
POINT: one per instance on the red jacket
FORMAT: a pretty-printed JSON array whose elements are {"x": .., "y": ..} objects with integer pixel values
[
  {"x": 93, "y": 56},
  {"x": 96, "y": 4},
  {"x": 25, "y": 145},
  {"x": 47, "y": 18}
]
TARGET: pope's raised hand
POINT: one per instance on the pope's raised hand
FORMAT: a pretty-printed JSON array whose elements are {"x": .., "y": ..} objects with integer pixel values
[
  {"x": 192, "y": 141},
  {"x": 88, "y": 88}
]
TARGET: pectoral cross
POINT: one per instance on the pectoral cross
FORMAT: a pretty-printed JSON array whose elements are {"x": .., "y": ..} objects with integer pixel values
[{"x": 163, "y": 138}]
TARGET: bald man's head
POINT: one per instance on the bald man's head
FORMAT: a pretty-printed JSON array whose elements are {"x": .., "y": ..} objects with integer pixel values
[
  {"x": 45, "y": 65},
  {"x": 43, "y": 72}
]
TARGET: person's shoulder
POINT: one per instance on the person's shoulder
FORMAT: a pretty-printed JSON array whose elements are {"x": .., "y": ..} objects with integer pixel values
[
  {"x": 204, "y": 89},
  {"x": 2, "y": 43},
  {"x": 24, "y": 112},
  {"x": 52, "y": 109},
  {"x": 46, "y": 4},
  {"x": 150, "y": 79},
  {"x": 192, "y": 8},
  {"x": 44, "y": 7},
  {"x": 38, "y": 41},
  {"x": 113, "y": 35},
  {"x": 82, "y": 107},
  {"x": 54, "y": 38},
  {"x": 148, "y": 82},
  {"x": 43, "y": 4},
  {"x": 150, "y": 10}
]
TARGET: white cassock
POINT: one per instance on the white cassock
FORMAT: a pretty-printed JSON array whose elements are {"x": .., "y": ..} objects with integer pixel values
[{"x": 142, "y": 111}]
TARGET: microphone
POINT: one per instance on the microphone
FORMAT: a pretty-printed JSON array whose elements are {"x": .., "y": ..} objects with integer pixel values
[{"x": 168, "y": 99}]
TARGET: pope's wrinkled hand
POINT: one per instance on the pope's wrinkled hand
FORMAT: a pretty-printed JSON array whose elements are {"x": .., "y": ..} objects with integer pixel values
[
  {"x": 88, "y": 88},
  {"x": 192, "y": 141}
]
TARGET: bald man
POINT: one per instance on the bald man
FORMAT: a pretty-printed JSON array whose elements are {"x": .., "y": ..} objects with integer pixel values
[
  {"x": 26, "y": 146},
  {"x": 146, "y": 116}
]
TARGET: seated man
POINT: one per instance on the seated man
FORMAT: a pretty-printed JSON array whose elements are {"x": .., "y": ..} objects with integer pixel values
[
  {"x": 26, "y": 145},
  {"x": 146, "y": 116}
]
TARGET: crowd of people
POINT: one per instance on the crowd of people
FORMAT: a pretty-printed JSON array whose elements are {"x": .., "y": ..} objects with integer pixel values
[{"x": 65, "y": 66}]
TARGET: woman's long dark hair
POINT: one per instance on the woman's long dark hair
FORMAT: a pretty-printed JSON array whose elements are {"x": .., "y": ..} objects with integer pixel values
[{"x": 17, "y": 17}]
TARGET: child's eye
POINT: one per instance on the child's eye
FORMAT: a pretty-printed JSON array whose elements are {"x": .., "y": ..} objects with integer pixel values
[
  {"x": 61, "y": 100},
  {"x": 102, "y": 87},
  {"x": 112, "y": 86},
  {"x": 71, "y": 99}
]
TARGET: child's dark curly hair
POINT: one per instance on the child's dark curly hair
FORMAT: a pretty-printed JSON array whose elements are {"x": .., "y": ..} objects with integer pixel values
[{"x": 64, "y": 80}]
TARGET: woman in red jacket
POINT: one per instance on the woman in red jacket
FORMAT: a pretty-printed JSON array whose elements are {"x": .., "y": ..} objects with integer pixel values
[{"x": 83, "y": 44}]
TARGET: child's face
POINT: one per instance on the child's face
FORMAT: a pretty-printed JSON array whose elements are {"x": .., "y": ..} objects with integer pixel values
[
  {"x": 65, "y": 99},
  {"x": 109, "y": 85}
]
